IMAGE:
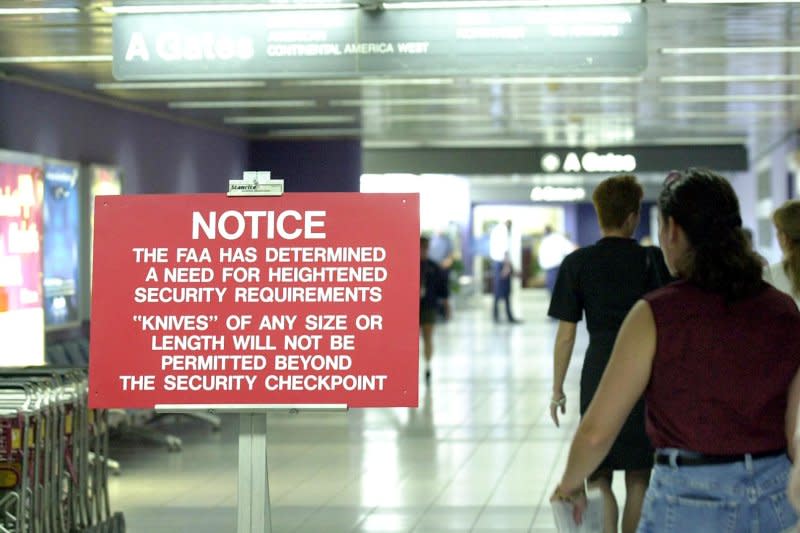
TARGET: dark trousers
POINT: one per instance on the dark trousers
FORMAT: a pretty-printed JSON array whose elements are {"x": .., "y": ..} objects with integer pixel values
[{"x": 502, "y": 291}]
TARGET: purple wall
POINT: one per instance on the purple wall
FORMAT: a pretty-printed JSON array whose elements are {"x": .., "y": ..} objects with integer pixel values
[
  {"x": 155, "y": 155},
  {"x": 310, "y": 166}
]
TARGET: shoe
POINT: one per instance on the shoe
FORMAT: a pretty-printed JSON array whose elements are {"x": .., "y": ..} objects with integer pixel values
[
  {"x": 427, "y": 376},
  {"x": 515, "y": 321}
]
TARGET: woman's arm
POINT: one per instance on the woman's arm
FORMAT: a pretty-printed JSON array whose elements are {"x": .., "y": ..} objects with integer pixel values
[
  {"x": 791, "y": 415},
  {"x": 623, "y": 383},
  {"x": 562, "y": 354}
]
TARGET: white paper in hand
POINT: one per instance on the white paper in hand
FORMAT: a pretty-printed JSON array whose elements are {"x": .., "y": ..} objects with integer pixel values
[{"x": 592, "y": 516}]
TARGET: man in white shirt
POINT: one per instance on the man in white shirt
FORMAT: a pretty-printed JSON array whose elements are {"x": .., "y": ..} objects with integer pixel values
[
  {"x": 552, "y": 251},
  {"x": 499, "y": 251}
]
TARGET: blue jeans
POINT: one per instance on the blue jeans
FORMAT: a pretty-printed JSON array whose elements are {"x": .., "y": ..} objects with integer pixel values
[{"x": 748, "y": 496}]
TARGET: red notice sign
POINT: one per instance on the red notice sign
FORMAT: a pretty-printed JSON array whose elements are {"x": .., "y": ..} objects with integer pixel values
[{"x": 299, "y": 299}]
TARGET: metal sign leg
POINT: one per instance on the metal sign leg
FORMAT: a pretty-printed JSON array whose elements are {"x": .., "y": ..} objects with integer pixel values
[{"x": 253, "y": 498}]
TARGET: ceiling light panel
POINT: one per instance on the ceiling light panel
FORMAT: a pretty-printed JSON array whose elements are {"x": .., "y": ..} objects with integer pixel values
[
  {"x": 389, "y": 102},
  {"x": 222, "y": 8},
  {"x": 743, "y": 78},
  {"x": 457, "y": 4},
  {"x": 711, "y": 98},
  {"x": 291, "y": 119},
  {"x": 316, "y": 132},
  {"x": 377, "y": 82},
  {"x": 244, "y": 104},
  {"x": 14, "y": 11},
  {"x": 25, "y": 60},
  {"x": 731, "y": 50},
  {"x": 546, "y": 80},
  {"x": 150, "y": 85}
]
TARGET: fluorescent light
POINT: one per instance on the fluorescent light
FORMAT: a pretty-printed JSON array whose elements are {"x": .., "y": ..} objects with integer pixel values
[
  {"x": 316, "y": 132},
  {"x": 291, "y": 119},
  {"x": 731, "y": 78},
  {"x": 390, "y": 144},
  {"x": 731, "y": 50},
  {"x": 731, "y": 1},
  {"x": 221, "y": 8},
  {"x": 455, "y": 4},
  {"x": 243, "y": 104},
  {"x": 368, "y": 82},
  {"x": 697, "y": 140},
  {"x": 543, "y": 80},
  {"x": 132, "y": 86},
  {"x": 743, "y": 114},
  {"x": 405, "y": 101},
  {"x": 710, "y": 98},
  {"x": 57, "y": 59},
  {"x": 479, "y": 143},
  {"x": 37, "y": 10}
]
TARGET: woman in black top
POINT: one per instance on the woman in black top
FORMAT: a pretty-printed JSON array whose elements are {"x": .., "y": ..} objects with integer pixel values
[{"x": 604, "y": 281}]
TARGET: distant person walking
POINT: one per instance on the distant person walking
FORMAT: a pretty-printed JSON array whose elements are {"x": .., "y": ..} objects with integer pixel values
[
  {"x": 785, "y": 274},
  {"x": 433, "y": 290},
  {"x": 502, "y": 270},
  {"x": 553, "y": 248}
]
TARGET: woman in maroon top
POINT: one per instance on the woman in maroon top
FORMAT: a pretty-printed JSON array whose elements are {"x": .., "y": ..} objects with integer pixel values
[{"x": 716, "y": 355}]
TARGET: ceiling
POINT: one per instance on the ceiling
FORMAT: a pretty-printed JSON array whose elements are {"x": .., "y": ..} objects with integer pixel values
[{"x": 658, "y": 108}]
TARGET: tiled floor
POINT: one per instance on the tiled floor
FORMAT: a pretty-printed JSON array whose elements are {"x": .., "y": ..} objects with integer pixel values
[{"x": 480, "y": 454}]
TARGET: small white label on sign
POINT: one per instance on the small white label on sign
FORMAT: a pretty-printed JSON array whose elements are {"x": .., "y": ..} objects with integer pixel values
[{"x": 255, "y": 183}]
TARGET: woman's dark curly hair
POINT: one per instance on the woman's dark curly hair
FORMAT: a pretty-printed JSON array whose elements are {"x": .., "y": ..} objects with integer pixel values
[{"x": 720, "y": 260}]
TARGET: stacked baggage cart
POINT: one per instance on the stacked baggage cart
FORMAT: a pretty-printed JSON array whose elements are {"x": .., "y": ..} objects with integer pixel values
[{"x": 53, "y": 455}]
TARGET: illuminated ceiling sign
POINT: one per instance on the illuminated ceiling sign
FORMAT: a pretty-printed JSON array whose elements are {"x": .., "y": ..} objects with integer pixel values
[
  {"x": 608, "y": 40},
  {"x": 557, "y": 194},
  {"x": 588, "y": 162}
]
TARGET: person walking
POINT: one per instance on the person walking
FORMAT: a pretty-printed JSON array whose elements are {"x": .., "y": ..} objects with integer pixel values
[
  {"x": 603, "y": 281},
  {"x": 553, "y": 248},
  {"x": 433, "y": 290},
  {"x": 502, "y": 270},
  {"x": 785, "y": 274},
  {"x": 716, "y": 355}
]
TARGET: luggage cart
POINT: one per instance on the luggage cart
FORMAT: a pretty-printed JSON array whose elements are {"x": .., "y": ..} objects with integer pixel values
[{"x": 53, "y": 455}]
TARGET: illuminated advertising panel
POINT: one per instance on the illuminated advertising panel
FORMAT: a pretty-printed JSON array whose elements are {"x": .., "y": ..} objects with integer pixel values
[
  {"x": 62, "y": 235},
  {"x": 21, "y": 314}
]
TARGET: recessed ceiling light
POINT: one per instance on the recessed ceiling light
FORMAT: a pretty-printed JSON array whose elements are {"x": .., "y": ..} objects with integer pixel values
[
  {"x": 243, "y": 104},
  {"x": 368, "y": 82},
  {"x": 147, "y": 85},
  {"x": 291, "y": 119},
  {"x": 458, "y": 101},
  {"x": 697, "y": 140},
  {"x": 731, "y": 1},
  {"x": 220, "y": 8},
  {"x": 37, "y": 10},
  {"x": 731, "y": 50},
  {"x": 742, "y": 78},
  {"x": 543, "y": 80},
  {"x": 710, "y": 98},
  {"x": 455, "y": 4},
  {"x": 316, "y": 132},
  {"x": 56, "y": 59}
]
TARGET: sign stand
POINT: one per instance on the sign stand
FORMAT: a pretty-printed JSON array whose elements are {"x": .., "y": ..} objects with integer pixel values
[{"x": 253, "y": 514}]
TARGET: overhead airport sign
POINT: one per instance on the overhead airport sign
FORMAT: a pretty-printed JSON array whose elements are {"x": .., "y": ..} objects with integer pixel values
[
  {"x": 553, "y": 160},
  {"x": 292, "y": 300},
  {"x": 574, "y": 40}
]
